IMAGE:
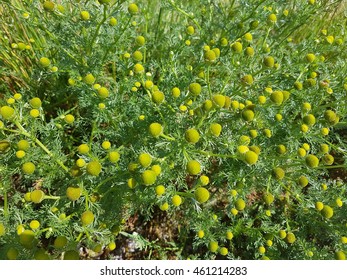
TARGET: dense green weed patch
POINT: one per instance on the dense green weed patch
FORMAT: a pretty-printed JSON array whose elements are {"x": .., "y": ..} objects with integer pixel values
[{"x": 226, "y": 117}]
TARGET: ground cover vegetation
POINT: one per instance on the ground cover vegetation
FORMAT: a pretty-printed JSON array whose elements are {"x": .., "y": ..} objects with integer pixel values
[{"x": 173, "y": 129}]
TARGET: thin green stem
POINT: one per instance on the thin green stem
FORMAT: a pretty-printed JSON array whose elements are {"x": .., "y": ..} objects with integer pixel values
[
  {"x": 79, "y": 237},
  {"x": 292, "y": 165},
  {"x": 156, "y": 107},
  {"x": 52, "y": 197},
  {"x": 185, "y": 194},
  {"x": 167, "y": 137},
  {"x": 201, "y": 120},
  {"x": 41, "y": 145},
  {"x": 88, "y": 235},
  {"x": 158, "y": 24},
  {"x": 208, "y": 82},
  {"x": 5, "y": 204},
  {"x": 86, "y": 196},
  {"x": 105, "y": 181},
  {"x": 251, "y": 14},
  {"x": 332, "y": 166},
  {"x": 146, "y": 32},
  {"x": 262, "y": 69},
  {"x": 114, "y": 70},
  {"x": 147, "y": 91},
  {"x": 185, "y": 154},
  {"x": 11, "y": 130},
  {"x": 267, "y": 35},
  {"x": 92, "y": 42},
  {"x": 213, "y": 154},
  {"x": 46, "y": 229},
  {"x": 92, "y": 133},
  {"x": 184, "y": 13},
  {"x": 302, "y": 72},
  {"x": 225, "y": 85},
  {"x": 268, "y": 184},
  {"x": 288, "y": 226}
]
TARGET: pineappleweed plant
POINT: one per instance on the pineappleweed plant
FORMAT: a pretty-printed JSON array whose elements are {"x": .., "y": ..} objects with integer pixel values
[{"x": 226, "y": 117}]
